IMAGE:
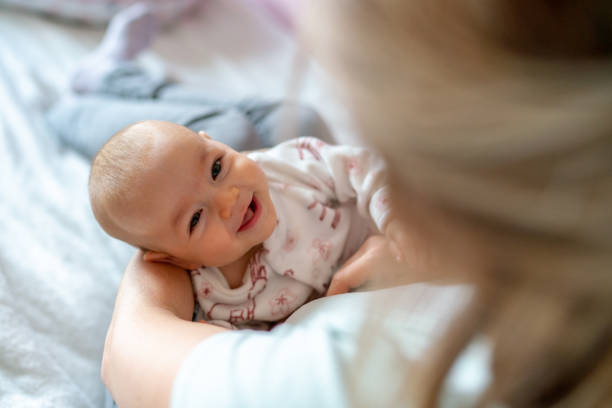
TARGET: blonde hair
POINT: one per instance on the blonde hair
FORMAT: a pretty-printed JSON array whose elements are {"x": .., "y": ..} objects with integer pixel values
[
  {"x": 496, "y": 115},
  {"x": 114, "y": 170}
]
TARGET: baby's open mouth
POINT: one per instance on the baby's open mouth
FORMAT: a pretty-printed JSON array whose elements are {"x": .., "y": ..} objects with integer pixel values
[{"x": 249, "y": 216}]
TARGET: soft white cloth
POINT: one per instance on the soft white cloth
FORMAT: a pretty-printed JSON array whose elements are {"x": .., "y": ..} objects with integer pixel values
[
  {"x": 328, "y": 199},
  {"x": 58, "y": 270}
]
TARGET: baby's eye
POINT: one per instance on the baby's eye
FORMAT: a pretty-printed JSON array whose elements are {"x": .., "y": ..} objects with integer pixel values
[
  {"x": 194, "y": 220},
  {"x": 216, "y": 169}
]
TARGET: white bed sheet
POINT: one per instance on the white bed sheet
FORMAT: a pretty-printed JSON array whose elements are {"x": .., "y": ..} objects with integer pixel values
[{"x": 58, "y": 271}]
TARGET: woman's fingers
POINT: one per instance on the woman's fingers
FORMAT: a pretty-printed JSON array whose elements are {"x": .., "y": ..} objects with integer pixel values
[
  {"x": 343, "y": 281},
  {"x": 348, "y": 277},
  {"x": 360, "y": 267}
]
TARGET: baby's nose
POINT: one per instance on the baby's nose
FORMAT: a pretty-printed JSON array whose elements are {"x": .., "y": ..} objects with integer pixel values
[{"x": 227, "y": 200}]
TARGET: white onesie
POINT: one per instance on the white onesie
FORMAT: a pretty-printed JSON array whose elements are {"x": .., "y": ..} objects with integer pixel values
[{"x": 328, "y": 199}]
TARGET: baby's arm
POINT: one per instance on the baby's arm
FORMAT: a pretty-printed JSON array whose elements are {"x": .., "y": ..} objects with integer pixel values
[
  {"x": 358, "y": 174},
  {"x": 338, "y": 174}
]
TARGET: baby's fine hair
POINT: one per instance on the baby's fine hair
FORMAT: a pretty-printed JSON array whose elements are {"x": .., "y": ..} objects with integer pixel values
[{"x": 113, "y": 171}]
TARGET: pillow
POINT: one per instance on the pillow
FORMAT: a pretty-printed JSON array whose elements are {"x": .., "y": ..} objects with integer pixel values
[{"x": 99, "y": 12}]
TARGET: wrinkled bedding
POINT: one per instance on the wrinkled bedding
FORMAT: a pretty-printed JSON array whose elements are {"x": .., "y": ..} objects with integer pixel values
[{"x": 58, "y": 271}]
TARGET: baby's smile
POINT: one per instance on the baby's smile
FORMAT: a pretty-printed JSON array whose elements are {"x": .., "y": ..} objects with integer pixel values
[{"x": 251, "y": 214}]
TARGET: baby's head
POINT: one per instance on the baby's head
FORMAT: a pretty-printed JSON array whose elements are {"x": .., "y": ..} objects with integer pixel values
[{"x": 180, "y": 196}]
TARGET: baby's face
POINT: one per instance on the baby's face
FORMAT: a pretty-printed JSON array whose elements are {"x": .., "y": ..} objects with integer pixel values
[{"x": 201, "y": 202}]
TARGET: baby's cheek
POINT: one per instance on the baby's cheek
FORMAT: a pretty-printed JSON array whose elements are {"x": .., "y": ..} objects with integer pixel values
[{"x": 221, "y": 248}]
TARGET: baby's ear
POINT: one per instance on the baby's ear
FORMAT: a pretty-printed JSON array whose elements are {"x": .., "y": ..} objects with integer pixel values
[
  {"x": 154, "y": 256},
  {"x": 203, "y": 134}
]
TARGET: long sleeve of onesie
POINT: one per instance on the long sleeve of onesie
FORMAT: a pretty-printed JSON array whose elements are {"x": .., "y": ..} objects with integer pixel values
[
  {"x": 320, "y": 192},
  {"x": 334, "y": 174}
]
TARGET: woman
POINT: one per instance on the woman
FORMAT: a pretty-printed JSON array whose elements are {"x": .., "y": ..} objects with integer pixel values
[{"x": 494, "y": 119}]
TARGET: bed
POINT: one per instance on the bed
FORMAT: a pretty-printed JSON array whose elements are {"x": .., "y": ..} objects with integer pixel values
[{"x": 58, "y": 271}]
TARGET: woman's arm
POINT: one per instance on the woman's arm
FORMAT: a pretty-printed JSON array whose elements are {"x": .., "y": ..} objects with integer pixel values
[{"x": 150, "y": 334}]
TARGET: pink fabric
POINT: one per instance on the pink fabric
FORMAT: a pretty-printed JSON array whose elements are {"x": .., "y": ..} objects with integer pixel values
[
  {"x": 99, "y": 12},
  {"x": 284, "y": 11}
]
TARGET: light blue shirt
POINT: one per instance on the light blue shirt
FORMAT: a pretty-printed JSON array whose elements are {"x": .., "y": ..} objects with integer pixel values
[{"x": 323, "y": 356}]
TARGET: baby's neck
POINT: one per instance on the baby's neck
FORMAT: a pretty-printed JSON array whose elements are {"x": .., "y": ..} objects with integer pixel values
[{"x": 234, "y": 272}]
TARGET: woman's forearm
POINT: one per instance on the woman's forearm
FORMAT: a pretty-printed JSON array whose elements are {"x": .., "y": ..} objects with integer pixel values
[{"x": 150, "y": 334}]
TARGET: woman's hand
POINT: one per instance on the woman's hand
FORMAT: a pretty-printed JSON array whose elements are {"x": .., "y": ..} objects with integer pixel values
[
  {"x": 150, "y": 334},
  {"x": 361, "y": 267},
  {"x": 395, "y": 258}
]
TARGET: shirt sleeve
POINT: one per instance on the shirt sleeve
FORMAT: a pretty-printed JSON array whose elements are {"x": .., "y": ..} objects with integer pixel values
[
  {"x": 359, "y": 174},
  {"x": 286, "y": 367},
  {"x": 340, "y": 173},
  {"x": 310, "y": 361}
]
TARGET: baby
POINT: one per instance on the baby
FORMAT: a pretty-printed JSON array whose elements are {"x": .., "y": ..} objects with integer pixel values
[{"x": 261, "y": 232}]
